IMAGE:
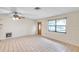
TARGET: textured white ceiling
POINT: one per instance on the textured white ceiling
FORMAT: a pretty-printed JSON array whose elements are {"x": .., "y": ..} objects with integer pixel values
[{"x": 31, "y": 13}]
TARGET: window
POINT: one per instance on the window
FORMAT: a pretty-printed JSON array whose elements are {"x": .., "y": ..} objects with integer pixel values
[
  {"x": 58, "y": 25},
  {"x": 51, "y": 26},
  {"x": 61, "y": 25}
]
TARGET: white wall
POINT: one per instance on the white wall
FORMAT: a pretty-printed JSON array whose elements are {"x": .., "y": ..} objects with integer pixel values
[
  {"x": 18, "y": 27},
  {"x": 72, "y": 35}
]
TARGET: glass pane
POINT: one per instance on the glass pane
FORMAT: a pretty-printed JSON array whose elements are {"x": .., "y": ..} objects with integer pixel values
[
  {"x": 51, "y": 22},
  {"x": 61, "y": 29},
  {"x": 51, "y": 28},
  {"x": 61, "y": 22}
]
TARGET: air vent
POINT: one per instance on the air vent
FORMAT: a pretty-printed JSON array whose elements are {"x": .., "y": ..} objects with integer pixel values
[{"x": 37, "y": 8}]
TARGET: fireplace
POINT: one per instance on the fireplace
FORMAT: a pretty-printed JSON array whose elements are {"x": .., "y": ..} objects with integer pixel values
[{"x": 8, "y": 34}]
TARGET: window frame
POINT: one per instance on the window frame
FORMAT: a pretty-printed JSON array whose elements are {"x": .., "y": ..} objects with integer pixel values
[{"x": 57, "y": 25}]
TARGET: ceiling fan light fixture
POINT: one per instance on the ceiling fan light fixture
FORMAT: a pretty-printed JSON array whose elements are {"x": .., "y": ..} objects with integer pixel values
[{"x": 16, "y": 17}]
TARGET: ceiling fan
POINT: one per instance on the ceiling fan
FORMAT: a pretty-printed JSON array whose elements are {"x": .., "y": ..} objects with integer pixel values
[{"x": 16, "y": 15}]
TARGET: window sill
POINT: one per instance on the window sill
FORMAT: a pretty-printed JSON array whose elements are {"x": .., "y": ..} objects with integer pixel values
[{"x": 57, "y": 32}]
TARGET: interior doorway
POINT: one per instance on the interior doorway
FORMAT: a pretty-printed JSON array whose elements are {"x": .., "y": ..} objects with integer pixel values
[{"x": 39, "y": 28}]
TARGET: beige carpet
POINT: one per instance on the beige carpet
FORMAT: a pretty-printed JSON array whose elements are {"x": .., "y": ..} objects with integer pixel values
[{"x": 34, "y": 44}]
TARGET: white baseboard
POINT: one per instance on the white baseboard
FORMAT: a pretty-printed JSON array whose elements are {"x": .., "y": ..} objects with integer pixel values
[
  {"x": 65, "y": 42},
  {"x": 15, "y": 37}
]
